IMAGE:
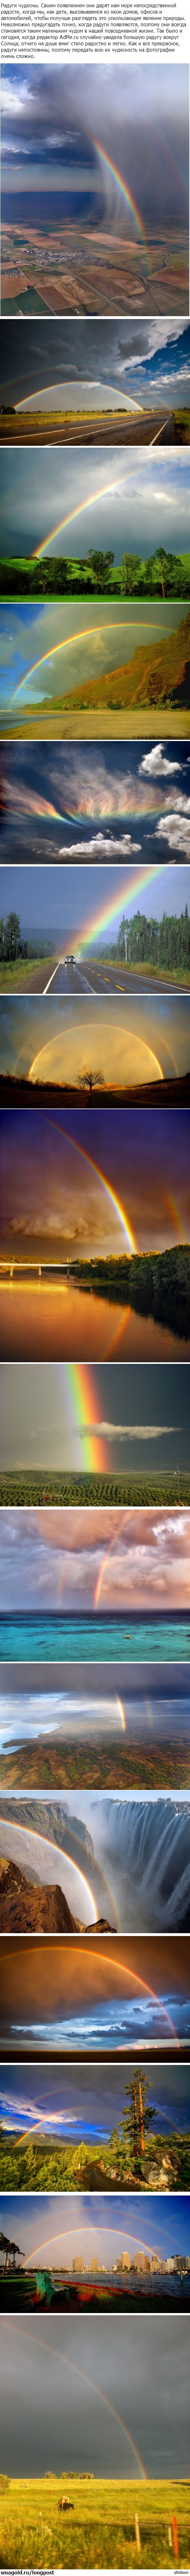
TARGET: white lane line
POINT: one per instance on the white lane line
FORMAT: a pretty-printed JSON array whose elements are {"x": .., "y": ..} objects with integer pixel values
[
  {"x": 159, "y": 432},
  {"x": 46, "y": 987}
]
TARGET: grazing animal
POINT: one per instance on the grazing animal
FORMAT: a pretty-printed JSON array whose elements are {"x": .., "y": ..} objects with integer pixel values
[
  {"x": 8, "y": 2247},
  {"x": 65, "y": 2506}
]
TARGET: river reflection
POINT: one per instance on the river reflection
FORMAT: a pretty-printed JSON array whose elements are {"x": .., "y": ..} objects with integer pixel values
[{"x": 57, "y": 1319}]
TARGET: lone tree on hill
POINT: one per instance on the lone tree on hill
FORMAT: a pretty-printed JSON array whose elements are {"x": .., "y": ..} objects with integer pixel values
[
  {"x": 89, "y": 1081},
  {"x": 138, "y": 2113}
]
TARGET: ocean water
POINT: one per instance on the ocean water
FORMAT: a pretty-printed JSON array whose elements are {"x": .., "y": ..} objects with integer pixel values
[{"x": 51, "y": 1638}]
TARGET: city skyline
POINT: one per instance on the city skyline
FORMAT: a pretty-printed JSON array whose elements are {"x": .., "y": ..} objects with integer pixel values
[{"x": 57, "y": 2228}]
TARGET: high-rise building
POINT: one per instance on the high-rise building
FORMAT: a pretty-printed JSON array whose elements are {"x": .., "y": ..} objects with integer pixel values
[
  {"x": 94, "y": 2266},
  {"x": 77, "y": 2264}
]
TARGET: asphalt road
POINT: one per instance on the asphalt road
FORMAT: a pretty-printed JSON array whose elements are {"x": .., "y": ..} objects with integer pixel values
[
  {"x": 104, "y": 979},
  {"x": 152, "y": 428}
]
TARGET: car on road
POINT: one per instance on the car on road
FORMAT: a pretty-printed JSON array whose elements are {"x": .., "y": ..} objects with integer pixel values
[{"x": 70, "y": 961}]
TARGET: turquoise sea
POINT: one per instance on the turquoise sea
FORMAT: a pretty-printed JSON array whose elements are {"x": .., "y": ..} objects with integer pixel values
[{"x": 39, "y": 1637}]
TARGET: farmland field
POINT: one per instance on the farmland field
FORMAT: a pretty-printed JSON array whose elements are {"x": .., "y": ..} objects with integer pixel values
[
  {"x": 39, "y": 1485},
  {"x": 101, "y": 2530}
]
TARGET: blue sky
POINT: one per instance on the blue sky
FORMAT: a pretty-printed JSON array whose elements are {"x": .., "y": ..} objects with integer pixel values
[
  {"x": 56, "y": 2229},
  {"x": 89, "y": 2102},
  {"x": 90, "y": 801}
]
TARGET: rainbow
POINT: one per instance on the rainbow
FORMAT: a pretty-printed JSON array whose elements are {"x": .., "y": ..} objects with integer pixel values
[
  {"x": 107, "y": 912},
  {"x": 125, "y": 192},
  {"x": 77, "y": 513},
  {"x": 80, "y": 1383},
  {"x": 65, "y": 645},
  {"x": 89, "y": 2383},
  {"x": 175, "y": 1212},
  {"x": 122, "y": 1714},
  {"x": 111, "y": 1194},
  {"x": 105, "y": 1558}
]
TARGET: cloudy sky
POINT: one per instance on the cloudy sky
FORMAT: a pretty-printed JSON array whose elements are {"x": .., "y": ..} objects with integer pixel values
[
  {"x": 53, "y": 1559},
  {"x": 86, "y": 2400},
  {"x": 47, "y": 650},
  {"x": 58, "y": 121},
  {"x": 149, "y": 1039},
  {"x": 146, "y": 362},
  {"x": 92, "y": 1996},
  {"x": 99, "y": 499},
  {"x": 123, "y": 1188},
  {"x": 90, "y": 801},
  {"x": 151, "y": 1708},
  {"x": 57, "y": 2229},
  {"x": 59, "y": 2103}
]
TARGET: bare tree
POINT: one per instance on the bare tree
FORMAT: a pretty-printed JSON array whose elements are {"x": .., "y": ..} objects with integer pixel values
[{"x": 90, "y": 1081}]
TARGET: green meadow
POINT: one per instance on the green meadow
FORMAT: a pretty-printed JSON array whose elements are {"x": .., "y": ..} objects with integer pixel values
[
  {"x": 100, "y": 2531},
  {"x": 161, "y": 575}
]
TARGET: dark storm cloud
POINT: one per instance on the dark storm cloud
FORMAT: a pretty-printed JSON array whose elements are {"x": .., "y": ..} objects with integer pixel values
[
  {"x": 52, "y": 118},
  {"x": 60, "y": 2382}
]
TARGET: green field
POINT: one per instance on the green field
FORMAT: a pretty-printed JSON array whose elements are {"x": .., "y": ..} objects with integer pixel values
[
  {"x": 40, "y": 1485},
  {"x": 101, "y": 2529},
  {"x": 52, "y": 2165},
  {"x": 76, "y": 577}
]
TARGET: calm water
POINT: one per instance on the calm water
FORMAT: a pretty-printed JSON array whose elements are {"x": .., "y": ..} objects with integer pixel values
[
  {"x": 55, "y": 1319},
  {"x": 26, "y": 1637}
]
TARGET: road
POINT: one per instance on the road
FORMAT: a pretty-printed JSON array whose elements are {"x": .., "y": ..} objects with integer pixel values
[
  {"x": 94, "y": 429},
  {"x": 104, "y": 979}
]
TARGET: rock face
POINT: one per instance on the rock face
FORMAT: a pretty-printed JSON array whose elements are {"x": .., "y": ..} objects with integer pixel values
[
  {"x": 28, "y": 1908},
  {"x": 24, "y": 1908}
]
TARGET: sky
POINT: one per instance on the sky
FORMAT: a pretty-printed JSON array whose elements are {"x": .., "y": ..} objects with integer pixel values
[
  {"x": 63, "y": 125},
  {"x": 52, "y": 2100},
  {"x": 45, "y": 1702},
  {"x": 122, "y": 1189},
  {"x": 49, "y": 1039},
  {"x": 57, "y": 2229},
  {"x": 48, "y": 649},
  {"x": 121, "y": 1860},
  {"x": 79, "y": 2397},
  {"x": 95, "y": 1995},
  {"x": 99, "y": 499},
  {"x": 55, "y": 1559},
  {"x": 146, "y": 362},
  {"x": 87, "y": 801}
]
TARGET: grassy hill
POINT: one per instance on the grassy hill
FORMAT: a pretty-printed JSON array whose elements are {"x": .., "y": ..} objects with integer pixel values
[
  {"x": 21, "y": 576},
  {"x": 157, "y": 675}
]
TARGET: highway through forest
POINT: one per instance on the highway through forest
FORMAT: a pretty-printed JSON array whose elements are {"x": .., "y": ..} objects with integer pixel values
[{"x": 111, "y": 978}]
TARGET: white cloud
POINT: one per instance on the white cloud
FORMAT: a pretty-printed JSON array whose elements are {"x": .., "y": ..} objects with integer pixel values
[
  {"x": 128, "y": 1430},
  {"x": 155, "y": 762}
]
